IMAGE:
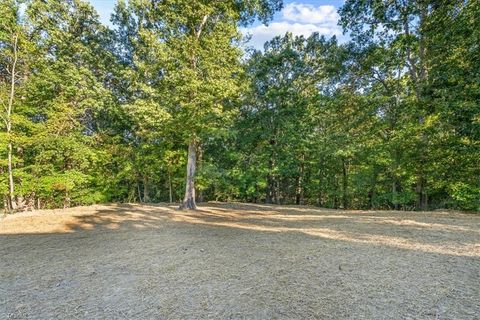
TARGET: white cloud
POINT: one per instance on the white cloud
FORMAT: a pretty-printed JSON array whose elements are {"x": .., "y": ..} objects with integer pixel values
[
  {"x": 299, "y": 19},
  {"x": 307, "y": 13}
]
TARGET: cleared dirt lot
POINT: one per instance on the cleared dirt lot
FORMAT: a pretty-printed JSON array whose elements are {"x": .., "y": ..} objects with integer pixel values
[{"x": 239, "y": 261}]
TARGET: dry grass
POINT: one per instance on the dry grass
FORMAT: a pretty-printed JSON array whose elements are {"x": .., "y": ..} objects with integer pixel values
[{"x": 239, "y": 261}]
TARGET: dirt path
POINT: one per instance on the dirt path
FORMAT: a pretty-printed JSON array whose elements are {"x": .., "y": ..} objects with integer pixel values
[{"x": 238, "y": 262}]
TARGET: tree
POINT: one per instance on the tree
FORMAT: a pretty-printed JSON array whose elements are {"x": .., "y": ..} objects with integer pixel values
[
  {"x": 199, "y": 65},
  {"x": 58, "y": 92},
  {"x": 416, "y": 31},
  {"x": 15, "y": 55}
]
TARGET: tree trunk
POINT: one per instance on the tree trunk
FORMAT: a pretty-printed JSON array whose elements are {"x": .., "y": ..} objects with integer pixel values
[
  {"x": 66, "y": 200},
  {"x": 421, "y": 194},
  {"x": 139, "y": 192},
  {"x": 170, "y": 195},
  {"x": 189, "y": 199},
  {"x": 146, "y": 191},
  {"x": 200, "y": 163},
  {"x": 270, "y": 197},
  {"x": 299, "y": 192},
  {"x": 277, "y": 194},
  {"x": 11, "y": 188},
  {"x": 372, "y": 191},
  {"x": 344, "y": 185},
  {"x": 320, "y": 194},
  {"x": 336, "y": 198}
]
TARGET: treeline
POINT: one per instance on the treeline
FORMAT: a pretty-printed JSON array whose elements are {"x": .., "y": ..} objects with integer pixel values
[{"x": 388, "y": 120}]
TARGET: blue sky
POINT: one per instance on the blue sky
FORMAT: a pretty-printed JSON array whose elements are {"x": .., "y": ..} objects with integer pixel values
[{"x": 299, "y": 17}]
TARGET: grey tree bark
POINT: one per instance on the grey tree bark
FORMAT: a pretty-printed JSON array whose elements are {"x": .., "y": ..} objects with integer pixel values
[
  {"x": 299, "y": 182},
  {"x": 11, "y": 187},
  {"x": 189, "y": 199},
  {"x": 344, "y": 184},
  {"x": 146, "y": 189},
  {"x": 170, "y": 194},
  {"x": 199, "y": 165}
]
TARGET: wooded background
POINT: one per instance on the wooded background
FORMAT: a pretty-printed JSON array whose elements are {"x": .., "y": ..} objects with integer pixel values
[{"x": 388, "y": 120}]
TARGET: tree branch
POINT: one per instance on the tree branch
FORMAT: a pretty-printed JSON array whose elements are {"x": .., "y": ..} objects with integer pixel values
[{"x": 198, "y": 32}]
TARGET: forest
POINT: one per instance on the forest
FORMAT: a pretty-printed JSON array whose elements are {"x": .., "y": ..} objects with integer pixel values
[{"x": 171, "y": 104}]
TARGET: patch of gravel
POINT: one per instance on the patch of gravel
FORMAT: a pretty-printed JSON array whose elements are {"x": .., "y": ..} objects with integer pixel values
[{"x": 238, "y": 261}]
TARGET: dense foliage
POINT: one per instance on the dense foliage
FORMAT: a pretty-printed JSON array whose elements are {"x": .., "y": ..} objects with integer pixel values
[{"x": 390, "y": 119}]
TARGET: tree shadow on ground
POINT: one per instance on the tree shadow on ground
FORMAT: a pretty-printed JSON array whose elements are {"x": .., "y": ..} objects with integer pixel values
[{"x": 431, "y": 232}]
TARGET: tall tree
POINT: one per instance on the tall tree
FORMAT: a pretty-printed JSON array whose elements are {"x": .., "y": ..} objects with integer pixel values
[
  {"x": 416, "y": 31},
  {"x": 16, "y": 51},
  {"x": 400, "y": 23},
  {"x": 199, "y": 65}
]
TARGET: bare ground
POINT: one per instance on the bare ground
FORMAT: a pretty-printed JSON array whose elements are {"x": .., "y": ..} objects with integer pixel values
[{"x": 238, "y": 261}]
